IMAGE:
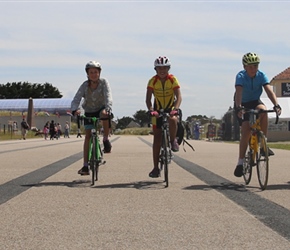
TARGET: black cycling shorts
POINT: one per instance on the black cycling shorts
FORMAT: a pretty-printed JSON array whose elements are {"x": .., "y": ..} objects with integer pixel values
[
  {"x": 94, "y": 114},
  {"x": 248, "y": 105}
]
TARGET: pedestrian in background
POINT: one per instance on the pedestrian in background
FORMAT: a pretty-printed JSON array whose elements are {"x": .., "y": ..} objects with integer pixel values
[{"x": 24, "y": 128}]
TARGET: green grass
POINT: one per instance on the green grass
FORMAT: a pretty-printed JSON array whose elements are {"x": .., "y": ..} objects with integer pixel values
[
  {"x": 134, "y": 131},
  {"x": 280, "y": 145}
]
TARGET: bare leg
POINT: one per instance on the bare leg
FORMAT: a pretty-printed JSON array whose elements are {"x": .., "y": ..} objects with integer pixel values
[
  {"x": 86, "y": 145},
  {"x": 156, "y": 146}
]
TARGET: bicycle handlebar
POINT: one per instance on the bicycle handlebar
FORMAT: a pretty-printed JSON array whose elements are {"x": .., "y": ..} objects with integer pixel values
[
  {"x": 93, "y": 119},
  {"x": 259, "y": 111},
  {"x": 162, "y": 113}
]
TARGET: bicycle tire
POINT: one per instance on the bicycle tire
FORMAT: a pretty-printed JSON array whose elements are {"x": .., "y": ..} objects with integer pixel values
[
  {"x": 165, "y": 150},
  {"x": 93, "y": 160},
  {"x": 99, "y": 157},
  {"x": 262, "y": 161},
  {"x": 247, "y": 167}
]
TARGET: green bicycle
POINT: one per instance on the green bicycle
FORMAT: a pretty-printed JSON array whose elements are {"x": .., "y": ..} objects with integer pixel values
[{"x": 95, "y": 152}]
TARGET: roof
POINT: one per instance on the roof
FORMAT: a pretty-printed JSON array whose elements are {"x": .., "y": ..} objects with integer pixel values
[
  {"x": 133, "y": 124},
  {"x": 284, "y": 75},
  {"x": 52, "y": 105},
  {"x": 284, "y": 102}
]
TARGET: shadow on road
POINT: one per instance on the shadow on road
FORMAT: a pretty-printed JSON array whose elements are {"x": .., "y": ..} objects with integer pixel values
[
  {"x": 279, "y": 187},
  {"x": 136, "y": 185},
  {"x": 222, "y": 186},
  {"x": 86, "y": 183},
  {"x": 75, "y": 183}
]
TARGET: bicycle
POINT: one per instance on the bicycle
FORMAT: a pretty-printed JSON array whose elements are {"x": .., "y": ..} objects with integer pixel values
[
  {"x": 257, "y": 152},
  {"x": 165, "y": 155},
  {"x": 95, "y": 153}
]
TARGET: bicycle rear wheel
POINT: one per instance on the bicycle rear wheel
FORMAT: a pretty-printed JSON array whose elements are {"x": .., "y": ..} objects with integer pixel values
[
  {"x": 247, "y": 167},
  {"x": 262, "y": 161}
]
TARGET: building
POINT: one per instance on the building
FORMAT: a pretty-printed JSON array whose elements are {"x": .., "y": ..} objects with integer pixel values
[
  {"x": 50, "y": 105},
  {"x": 281, "y": 87}
]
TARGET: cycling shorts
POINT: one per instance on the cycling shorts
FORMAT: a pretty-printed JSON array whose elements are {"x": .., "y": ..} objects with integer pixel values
[
  {"x": 157, "y": 122},
  {"x": 89, "y": 124},
  {"x": 248, "y": 105}
]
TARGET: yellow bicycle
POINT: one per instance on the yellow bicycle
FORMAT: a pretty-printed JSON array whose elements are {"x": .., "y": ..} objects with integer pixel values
[{"x": 257, "y": 153}]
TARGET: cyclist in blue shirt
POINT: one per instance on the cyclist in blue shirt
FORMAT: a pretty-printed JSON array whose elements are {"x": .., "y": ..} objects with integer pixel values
[{"x": 249, "y": 86}]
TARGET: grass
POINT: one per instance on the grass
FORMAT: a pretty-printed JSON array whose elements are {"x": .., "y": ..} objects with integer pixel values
[
  {"x": 280, "y": 145},
  {"x": 134, "y": 131}
]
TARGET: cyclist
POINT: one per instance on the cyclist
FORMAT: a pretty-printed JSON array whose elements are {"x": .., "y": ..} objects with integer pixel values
[
  {"x": 97, "y": 102},
  {"x": 249, "y": 87},
  {"x": 166, "y": 90}
]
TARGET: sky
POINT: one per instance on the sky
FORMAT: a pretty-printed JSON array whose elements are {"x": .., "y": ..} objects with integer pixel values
[{"x": 51, "y": 41}]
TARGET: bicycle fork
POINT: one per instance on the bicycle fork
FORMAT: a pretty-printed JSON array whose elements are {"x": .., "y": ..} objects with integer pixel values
[{"x": 254, "y": 147}]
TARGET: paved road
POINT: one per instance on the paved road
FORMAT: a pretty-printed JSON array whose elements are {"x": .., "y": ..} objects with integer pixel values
[{"x": 44, "y": 204}]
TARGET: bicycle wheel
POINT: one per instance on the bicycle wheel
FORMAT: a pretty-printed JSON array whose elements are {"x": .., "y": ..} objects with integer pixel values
[
  {"x": 93, "y": 160},
  {"x": 166, "y": 156},
  {"x": 262, "y": 161},
  {"x": 247, "y": 167},
  {"x": 99, "y": 156}
]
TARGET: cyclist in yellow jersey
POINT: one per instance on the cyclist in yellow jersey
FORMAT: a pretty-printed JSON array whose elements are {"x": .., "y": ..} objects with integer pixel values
[{"x": 166, "y": 91}]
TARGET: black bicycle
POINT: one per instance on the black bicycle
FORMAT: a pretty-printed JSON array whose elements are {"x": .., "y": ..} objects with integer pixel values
[{"x": 165, "y": 155}]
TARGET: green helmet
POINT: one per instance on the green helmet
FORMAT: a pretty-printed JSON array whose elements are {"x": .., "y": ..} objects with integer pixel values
[{"x": 251, "y": 58}]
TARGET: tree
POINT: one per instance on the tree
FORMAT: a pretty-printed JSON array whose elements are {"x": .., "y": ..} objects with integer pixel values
[
  {"x": 141, "y": 117},
  {"x": 124, "y": 122},
  {"x": 26, "y": 90}
]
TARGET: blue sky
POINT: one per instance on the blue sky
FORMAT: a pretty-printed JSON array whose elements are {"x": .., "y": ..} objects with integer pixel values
[{"x": 51, "y": 41}]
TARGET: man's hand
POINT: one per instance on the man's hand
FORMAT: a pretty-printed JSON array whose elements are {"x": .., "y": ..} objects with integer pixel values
[
  {"x": 277, "y": 109},
  {"x": 173, "y": 112},
  {"x": 75, "y": 112},
  {"x": 153, "y": 113},
  {"x": 240, "y": 111}
]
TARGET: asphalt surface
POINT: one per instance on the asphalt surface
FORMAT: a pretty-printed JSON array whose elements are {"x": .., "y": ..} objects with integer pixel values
[{"x": 45, "y": 204}]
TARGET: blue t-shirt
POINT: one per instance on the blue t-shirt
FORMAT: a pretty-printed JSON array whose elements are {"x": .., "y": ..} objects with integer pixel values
[{"x": 252, "y": 87}]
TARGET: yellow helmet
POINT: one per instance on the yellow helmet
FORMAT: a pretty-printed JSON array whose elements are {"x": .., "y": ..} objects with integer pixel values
[{"x": 251, "y": 58}]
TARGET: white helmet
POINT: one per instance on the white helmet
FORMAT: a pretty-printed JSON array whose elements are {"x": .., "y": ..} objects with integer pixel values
[
  {"x": 93, "y": 64},
  {"x": 162, "y": 61}
]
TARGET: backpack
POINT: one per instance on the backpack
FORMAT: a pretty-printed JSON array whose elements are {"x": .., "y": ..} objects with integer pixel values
[
  {"x": 180, "y": 133},
  {"x": 24, "y": 125}
]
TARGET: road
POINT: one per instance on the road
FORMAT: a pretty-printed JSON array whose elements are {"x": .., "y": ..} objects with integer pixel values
[{"x": 45, "y": 204}]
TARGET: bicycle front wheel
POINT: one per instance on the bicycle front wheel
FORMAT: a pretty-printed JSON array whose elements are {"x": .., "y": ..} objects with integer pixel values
[
  {"x": 93, "y": 161},
  {"x": 98, "y": 160},
  {"x": 166, "y": 156},
  {"x": 262, "y": 161},
  {"x": 247, "y": 167}
]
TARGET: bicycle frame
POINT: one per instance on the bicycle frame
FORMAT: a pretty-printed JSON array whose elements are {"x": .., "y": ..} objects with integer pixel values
[{"x": 255, "y": 128}]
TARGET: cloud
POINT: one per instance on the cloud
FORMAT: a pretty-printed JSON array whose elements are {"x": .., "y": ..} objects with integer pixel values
[{"x": 52, "y": 41}]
